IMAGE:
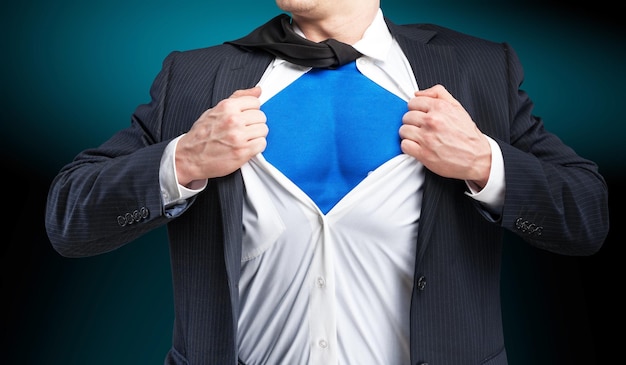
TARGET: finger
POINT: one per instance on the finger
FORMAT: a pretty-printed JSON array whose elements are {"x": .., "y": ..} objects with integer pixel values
[
  {"x": 255, "y": 131},
  {"x": 411, "y": 148},
  {"x": 254, "y": 91},
  {"x": 243, "y": 99},
  {"x": 414, "y": 117},
  {"x": 254, "y": 116},
  {"x": 437, "y": 92},
  {"x": 421, "y": 104},
  {"x": 410, "y": 133},
  {"x": 434, "y": 91}
]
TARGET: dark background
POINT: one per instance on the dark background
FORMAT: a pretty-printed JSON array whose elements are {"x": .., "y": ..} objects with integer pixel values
[{"x": 73, "y": 72}]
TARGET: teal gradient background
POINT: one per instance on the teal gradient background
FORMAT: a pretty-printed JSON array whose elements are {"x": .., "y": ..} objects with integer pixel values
[{"x": 73, "y": 72}]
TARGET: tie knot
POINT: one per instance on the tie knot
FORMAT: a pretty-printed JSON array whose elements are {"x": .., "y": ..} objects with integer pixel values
[{"x": 344, "y": 53}]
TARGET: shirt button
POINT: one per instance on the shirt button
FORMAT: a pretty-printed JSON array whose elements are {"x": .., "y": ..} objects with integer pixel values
[
  {"x": 323, "y": 344},
  {"x": 320, "y": 281}
]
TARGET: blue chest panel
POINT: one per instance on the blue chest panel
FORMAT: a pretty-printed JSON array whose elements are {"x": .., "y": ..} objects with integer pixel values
[{"x": 329, "y": 129}]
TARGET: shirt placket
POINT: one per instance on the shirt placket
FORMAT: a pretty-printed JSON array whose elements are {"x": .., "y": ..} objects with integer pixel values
[{"x": 322, "y": 310}]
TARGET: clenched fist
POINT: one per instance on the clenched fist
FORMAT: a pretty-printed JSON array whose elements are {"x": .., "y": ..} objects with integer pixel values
[
  {"x": 439, "y": 132},
  {"x": 223, "y": 139}
]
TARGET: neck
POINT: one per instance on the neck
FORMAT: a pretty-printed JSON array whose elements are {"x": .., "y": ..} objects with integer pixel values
[{"x": 345, "y": 27}]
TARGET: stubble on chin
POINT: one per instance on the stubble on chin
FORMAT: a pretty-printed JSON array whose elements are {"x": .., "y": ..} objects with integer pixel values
[{"x": 296, "y": 6}]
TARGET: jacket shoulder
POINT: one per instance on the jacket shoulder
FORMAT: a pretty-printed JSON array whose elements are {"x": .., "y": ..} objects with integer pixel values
[
  {"x": 209, "y": 54},
  {"x": 439, "y": 35}
]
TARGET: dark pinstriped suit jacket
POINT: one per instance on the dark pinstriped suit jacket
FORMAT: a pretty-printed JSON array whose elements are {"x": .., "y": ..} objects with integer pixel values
[{"x": 554, "y": 199}]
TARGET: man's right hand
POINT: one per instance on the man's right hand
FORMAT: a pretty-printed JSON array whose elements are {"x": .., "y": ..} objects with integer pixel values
[{"x": 223, "y": 139}]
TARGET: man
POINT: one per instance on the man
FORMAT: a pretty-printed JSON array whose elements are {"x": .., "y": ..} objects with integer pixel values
[{"x": 321, "y": 209}]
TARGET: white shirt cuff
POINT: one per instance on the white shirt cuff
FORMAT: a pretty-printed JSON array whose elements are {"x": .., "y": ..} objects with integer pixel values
[
  {"x": 172, "y": 192},
  {"x": 492, "y": 195}
]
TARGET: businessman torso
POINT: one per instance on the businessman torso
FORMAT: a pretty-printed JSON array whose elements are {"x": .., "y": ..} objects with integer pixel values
[{"x": 206, "y": 239}]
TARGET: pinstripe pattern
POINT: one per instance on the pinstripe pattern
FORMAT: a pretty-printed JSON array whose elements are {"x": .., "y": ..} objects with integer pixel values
[{"x": 455, "y": 313}]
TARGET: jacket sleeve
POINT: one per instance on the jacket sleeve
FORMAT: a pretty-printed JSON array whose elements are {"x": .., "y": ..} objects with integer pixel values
[
  {"x": 555, "y": 199},
  {"x": 110, "y": 195}
]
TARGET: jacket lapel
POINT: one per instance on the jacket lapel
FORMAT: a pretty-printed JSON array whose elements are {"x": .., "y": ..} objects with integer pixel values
[
  {"x": 230, "y": 189},
  {"x": 241, "y": 71},
  {"x": 431, "y": 64}
]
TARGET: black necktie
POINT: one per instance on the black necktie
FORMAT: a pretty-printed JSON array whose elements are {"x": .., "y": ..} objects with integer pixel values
[{"x": 278, "y": 38}]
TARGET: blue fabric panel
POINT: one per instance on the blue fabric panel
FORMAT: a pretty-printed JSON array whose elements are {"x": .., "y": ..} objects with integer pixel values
[{"x": 329, "y": 128}]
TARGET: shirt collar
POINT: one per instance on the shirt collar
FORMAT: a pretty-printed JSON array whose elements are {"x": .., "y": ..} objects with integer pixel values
[{"x": 376, "y": 41}]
